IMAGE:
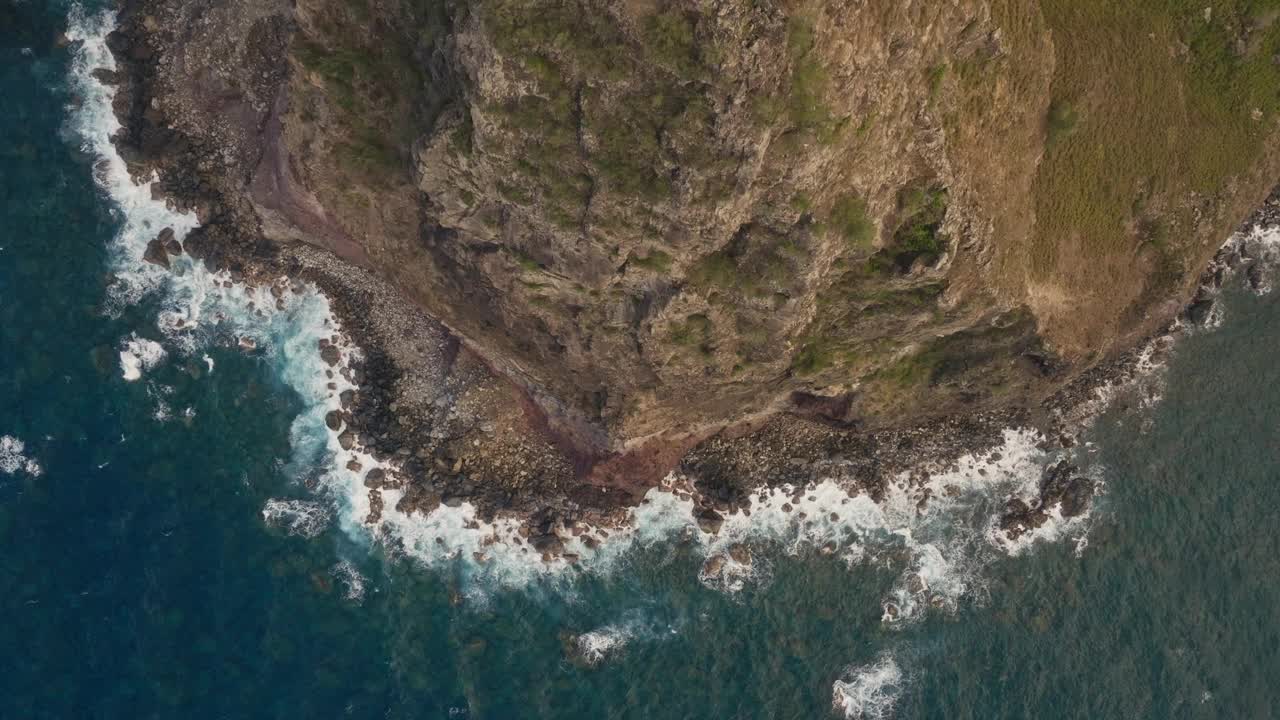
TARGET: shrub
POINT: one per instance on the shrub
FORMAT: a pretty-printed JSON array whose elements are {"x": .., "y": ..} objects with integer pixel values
[
  {"x": 656, "y": 261},
  {"x": 849, "y": 217}
]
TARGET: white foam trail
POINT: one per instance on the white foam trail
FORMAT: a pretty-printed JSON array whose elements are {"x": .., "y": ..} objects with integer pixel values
[
  {"x": 305, "y": 518},
  {"x": 869, "y": 692},
  {"x": 352, "y": 581},
  {"x": 14, "y": 459},
  {"x": 944, "y": 542},
  {"x": 596, "y": 645},
  {"x": 1263, "y": 244},
  {"x": 606, "y": 642},
  {"x": 284, "y": 323},
  {"x": 138, "y": 355}
]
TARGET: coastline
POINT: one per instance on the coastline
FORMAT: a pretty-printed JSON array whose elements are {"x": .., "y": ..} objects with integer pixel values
[{"x": 457, "y": 431}]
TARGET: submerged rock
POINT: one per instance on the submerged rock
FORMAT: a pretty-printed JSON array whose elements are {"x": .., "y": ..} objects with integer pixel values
[
  {"x": 1061, "y": 488},
  {"x": 156, "y": 254}
]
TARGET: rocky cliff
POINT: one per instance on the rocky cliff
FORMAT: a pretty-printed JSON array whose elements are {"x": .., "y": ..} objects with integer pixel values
[{"x": 664, "y": 217}]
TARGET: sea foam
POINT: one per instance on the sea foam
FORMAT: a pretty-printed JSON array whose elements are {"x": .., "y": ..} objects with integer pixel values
[
  {"x": 869, "y": 692},
  {"x": 138, "y": 355},
  {"x": 607, "y": 641},
  {"x": 307, "y": 518},
  {"x": 198, "y": 307},
  {"x": 13, "y": 458}
]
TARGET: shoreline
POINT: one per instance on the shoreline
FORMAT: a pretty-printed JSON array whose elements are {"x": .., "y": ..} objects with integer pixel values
[{"x": 460, "y": 432}]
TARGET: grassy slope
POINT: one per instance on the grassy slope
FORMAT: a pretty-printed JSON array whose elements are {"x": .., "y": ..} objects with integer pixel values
[{"x": 1154, "y": 107}]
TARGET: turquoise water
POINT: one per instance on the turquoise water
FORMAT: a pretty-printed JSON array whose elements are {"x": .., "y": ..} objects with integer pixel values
[{"x": 141, "y": 579}]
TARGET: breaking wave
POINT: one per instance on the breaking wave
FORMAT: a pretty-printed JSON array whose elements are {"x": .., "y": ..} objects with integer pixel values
[
  {"x": 139, "y": 355},
  {"x": 869, "y": 692},
  {"x": 603, "y": 643},
  {"x": 352, "y": 581},
  {"x": 13, "y": 458},
  {"x": 305, "y": 518}
]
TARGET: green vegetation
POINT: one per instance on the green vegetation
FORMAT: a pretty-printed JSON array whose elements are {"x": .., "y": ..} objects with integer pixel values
[
  {"x": 559, "y": 28},
  {"x": 816, "y": 355},
  {"x": 849, "y": 217},
  {"x": 370, "y": 153},
  {"x": 915, "y": 369},
  {"x": 514, "y": 193},
  {"x": 1060, "y": 121},
  {"x": 694, "y": 331},
  {"x": 805, "y": 102},
  {"x": 374, "y": 82},
  {"x": 522, "y": 259},
  {"x": 921, "y": 211},
  {"x": 656, "y": 260},
  {"x": 670, "y": 37},
  {"x": 661, "y": 118},
  {"x": 717, "y": 269},
  {"x": 1169, "y": 89},
  {"x": 937, "y": 74}
]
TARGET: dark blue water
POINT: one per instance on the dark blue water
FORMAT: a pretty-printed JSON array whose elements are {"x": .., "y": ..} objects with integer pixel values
[{"x": 138, "y": 578}]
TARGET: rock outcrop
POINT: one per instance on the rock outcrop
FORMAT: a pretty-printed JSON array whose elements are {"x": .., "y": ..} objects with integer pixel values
[{"x": 665, "y": 217}]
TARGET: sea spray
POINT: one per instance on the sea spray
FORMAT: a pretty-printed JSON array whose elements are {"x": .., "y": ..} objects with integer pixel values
[
  {"x": 13, "y": 458},
  {"x": 606, "y": 642},
  {"x": 305, "y": 518},
  {"x": 138, "y": 355},
  {"x": 869, "y": 692},
  {"x": 284, "y": 323}
]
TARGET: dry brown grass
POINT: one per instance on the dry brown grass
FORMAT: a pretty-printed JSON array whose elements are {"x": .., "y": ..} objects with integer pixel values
[{"x": 1167, "y": 108}]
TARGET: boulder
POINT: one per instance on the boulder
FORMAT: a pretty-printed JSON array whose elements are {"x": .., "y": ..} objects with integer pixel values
[
  {"x": 375, "y": 478},
  {"x": 347, "y": 440},
  {"x": 549, "y": 543},
  {"x": 710, "y": 521},
  {"x": 156, "y": 254},
  {"x": 330, "y": 354}
]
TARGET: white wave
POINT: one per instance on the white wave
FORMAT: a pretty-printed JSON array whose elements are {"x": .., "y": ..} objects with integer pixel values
[
  {"x": 1257, "y": 250},
  {"x": 943, "y": 532},
  {"x": 196, "y": 306},
  {"x": 596, "y": 645},
  {"x": 353, "y": 582},
  {"x": 1261, "y": 243},
  {"x": 306, "y": 518},
  {"x": 138, "y": 355},
  {"x": 942, "y": 544},
  {"x": 14, "y": 459},
  {"x": 605, "y": 642},
  {"x": 869, "y": 692}
]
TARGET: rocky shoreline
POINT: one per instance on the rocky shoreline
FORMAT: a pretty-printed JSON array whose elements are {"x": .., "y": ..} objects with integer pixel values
[{"x": 457, "y": 430}]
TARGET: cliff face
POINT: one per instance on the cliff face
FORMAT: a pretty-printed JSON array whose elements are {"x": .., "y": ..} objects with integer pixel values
[{"x": 665, "y": 216}]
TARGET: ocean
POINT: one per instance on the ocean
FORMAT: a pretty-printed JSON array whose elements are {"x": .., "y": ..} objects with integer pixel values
[{"x": 179, "y": 539}]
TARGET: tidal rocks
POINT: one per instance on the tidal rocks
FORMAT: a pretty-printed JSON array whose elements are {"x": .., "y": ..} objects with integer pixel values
[
  {"x": 347, "y": 440},
  {"x": 548, "y": 544},
  {"x": 710, "y": 521},
  {"x": 374, "y": 478},
  {"x": 1061, "y": 487},
  {"x": 333, "y": 420},
  {"x": 161, "y": 247},
  {"x": 106, "y": 77},
  {"x": 330, "y": 353}
]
